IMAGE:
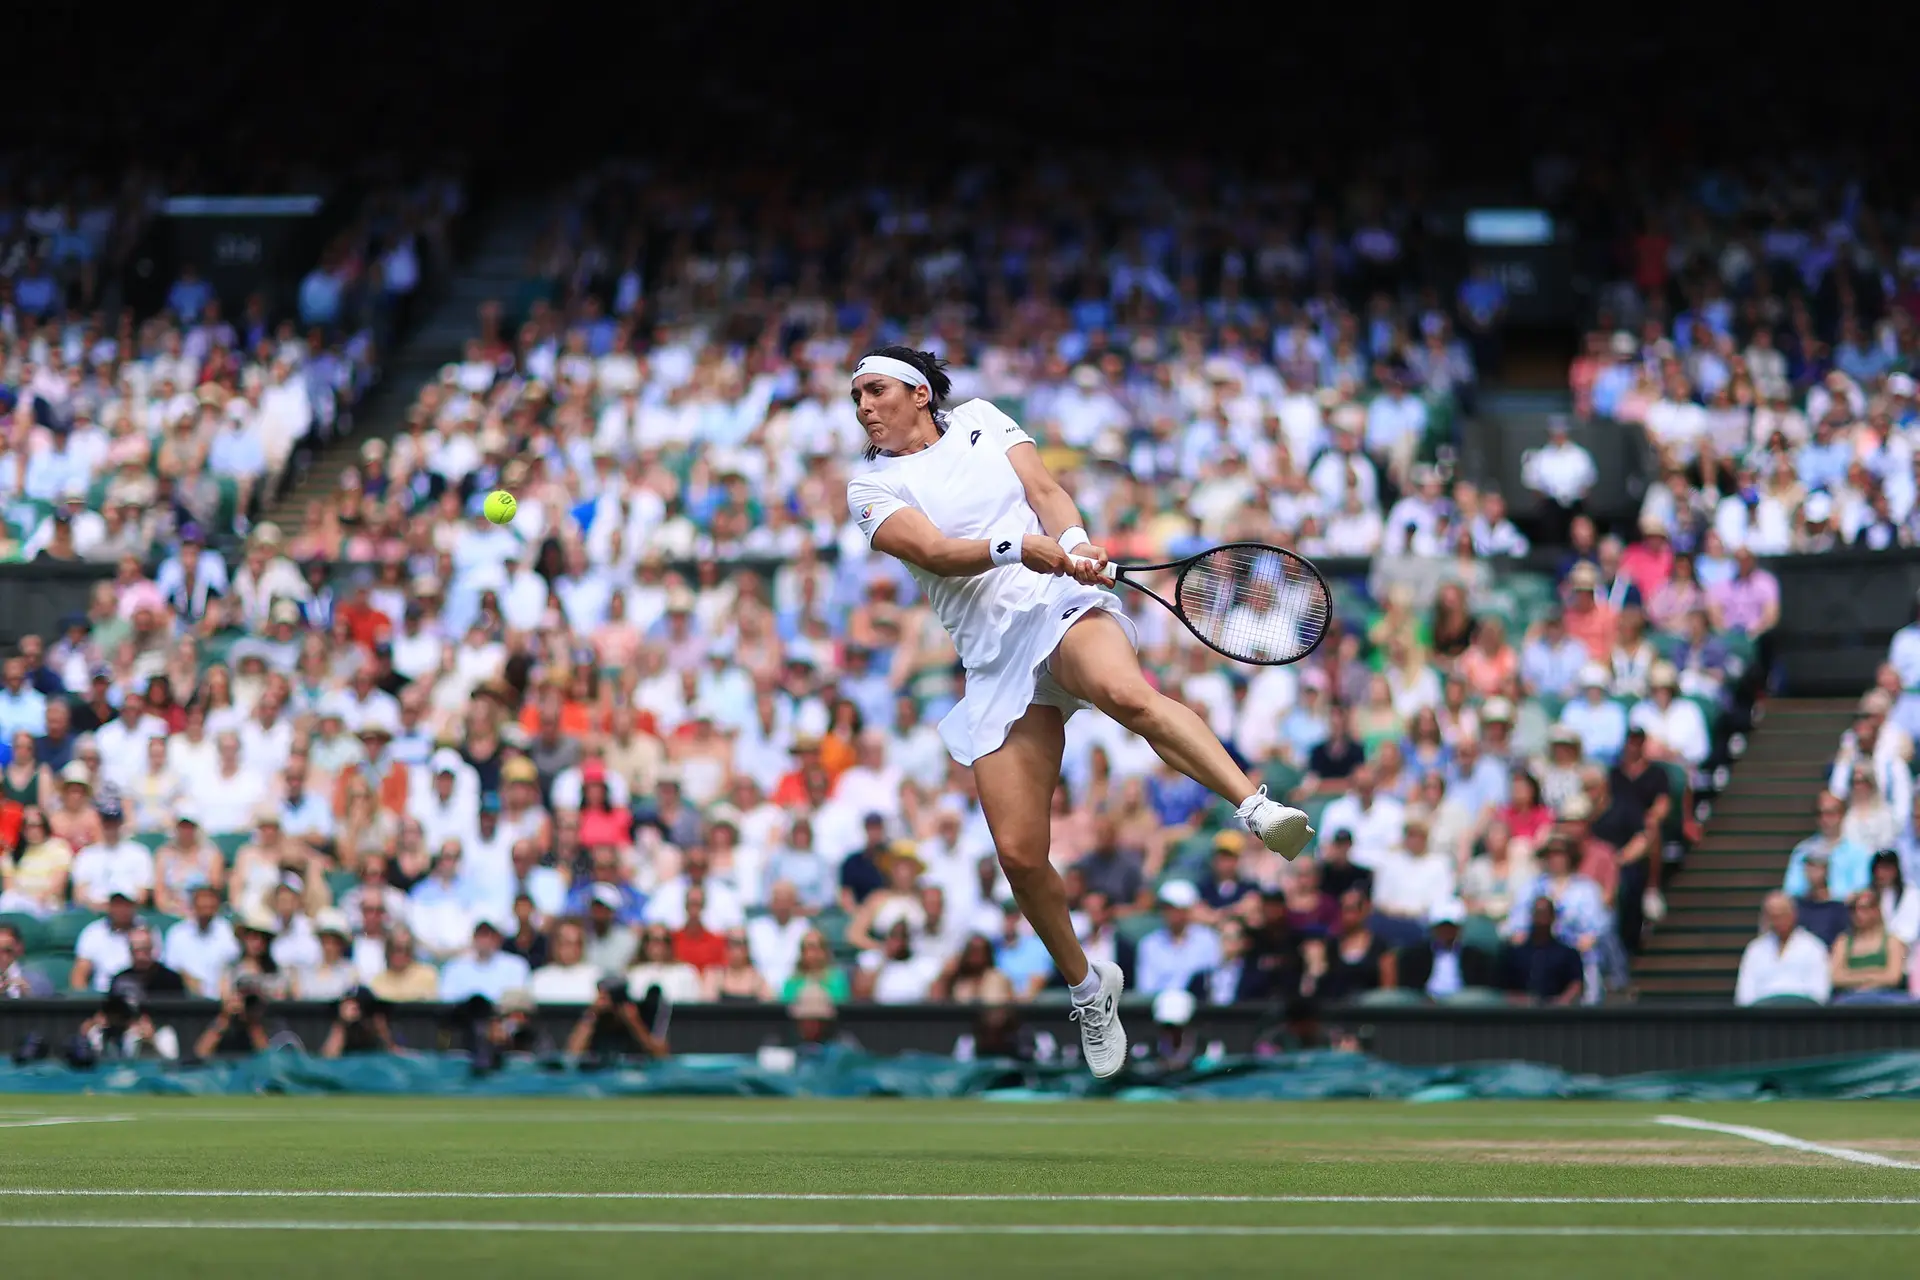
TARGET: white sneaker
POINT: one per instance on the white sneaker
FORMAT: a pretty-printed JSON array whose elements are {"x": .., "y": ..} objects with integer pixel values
[
  {"x": 1653, "y": 906},
  {"x": 1103, "y": 1041},
  {"x": 1281, "y": 829}
]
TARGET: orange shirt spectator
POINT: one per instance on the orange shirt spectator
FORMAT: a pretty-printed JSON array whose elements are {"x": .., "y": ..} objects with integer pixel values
[
  {"x": 1489, "y": 661},
  {"x": 1586, "y": 619}
]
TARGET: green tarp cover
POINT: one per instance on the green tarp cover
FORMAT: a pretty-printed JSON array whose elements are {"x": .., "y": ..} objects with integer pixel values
[{"x": 839, "y": 1073}]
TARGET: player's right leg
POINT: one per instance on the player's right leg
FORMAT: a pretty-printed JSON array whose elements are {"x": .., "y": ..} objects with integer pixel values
[
  {"x": 1016, "y": 784},
  {"x": 1096, "y": 663}
]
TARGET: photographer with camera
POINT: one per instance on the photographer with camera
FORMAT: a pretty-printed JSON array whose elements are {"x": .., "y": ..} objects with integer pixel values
[
  {"x": 613, "y": 1026},
  {"x": 122, "y": 1029},
  {"x": 238, "y": 1029},
  {"x": 359, "y": 1026}
]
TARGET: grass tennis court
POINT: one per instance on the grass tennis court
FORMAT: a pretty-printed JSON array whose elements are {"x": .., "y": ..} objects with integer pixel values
[{"x": 726, "y": 1187}]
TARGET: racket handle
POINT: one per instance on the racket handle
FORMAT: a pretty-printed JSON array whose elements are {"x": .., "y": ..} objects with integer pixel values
[{"x": 1107, "y": 571}]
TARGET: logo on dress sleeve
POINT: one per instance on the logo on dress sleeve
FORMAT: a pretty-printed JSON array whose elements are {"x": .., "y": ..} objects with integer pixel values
[
  {"x": 974, "y": 438},
  {"x": 866, "y": 512}
]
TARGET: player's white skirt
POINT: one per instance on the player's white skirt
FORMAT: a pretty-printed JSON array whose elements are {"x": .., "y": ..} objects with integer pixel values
[{"x": 1019, "y": 676}]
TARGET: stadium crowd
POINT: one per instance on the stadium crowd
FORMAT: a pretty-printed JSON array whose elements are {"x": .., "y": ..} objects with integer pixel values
[
  {"x": 672, "y": 730},
  {"x": 127, "y": 434}
]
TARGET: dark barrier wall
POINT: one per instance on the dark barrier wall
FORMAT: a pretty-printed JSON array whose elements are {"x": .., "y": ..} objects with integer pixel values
[
  {"x": 1838, "y": 612},
  {"x": 34, "y": 597},
  {"x": 1610, "y": 1041}
]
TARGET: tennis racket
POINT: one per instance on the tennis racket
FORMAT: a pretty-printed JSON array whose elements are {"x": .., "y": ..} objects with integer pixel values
[{"x": 1246, "y": 600}]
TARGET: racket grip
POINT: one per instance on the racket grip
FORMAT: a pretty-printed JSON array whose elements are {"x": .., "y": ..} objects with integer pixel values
[{"x": 1107, "y": 571}]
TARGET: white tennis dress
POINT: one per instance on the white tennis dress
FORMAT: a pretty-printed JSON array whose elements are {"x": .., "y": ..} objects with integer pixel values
[{"x": 1005, "y": 622}]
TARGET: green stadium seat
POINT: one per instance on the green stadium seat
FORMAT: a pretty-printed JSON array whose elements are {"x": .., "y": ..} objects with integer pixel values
[
  {"x": 152, "y": 840},
  {"x": 159, "y": 921},
  {"x": 33, "y": 933},
  {"x": 1785, "y": 999},
  {"x": 1281, "y": 778},
  {"x": 229, "y": 843},
  {"x": 1474, "y": 997},
  {"x": 64, "y": 929},
  {"x": 57, "y": 970},
  {"x": 1481, "y": 932},
  {"x": 1135, "y": 927},
  {"x": 1675, "y": 825},
  {"x": 1388, "y": 998},
  {"x": 340, "y": 883}
]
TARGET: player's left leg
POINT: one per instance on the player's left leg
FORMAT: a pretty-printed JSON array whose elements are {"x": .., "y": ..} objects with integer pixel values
[
  {"x": 1016, "y": 783},
  {"x": 1095, "y": 662}
]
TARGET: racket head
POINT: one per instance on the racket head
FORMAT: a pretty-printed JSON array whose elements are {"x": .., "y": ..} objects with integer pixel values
[{"x": 1254, "y": 603}]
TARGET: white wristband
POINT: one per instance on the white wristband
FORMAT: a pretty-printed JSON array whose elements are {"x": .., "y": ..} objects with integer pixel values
[
  {"x": 1074, "y": 537},
  {"x": 1005, "y": 548}
]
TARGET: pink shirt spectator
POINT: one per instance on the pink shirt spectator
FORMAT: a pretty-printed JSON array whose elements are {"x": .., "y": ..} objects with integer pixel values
[
  {"x": 1648, "y": 565},
  {"x": 1744, "y": 602}
]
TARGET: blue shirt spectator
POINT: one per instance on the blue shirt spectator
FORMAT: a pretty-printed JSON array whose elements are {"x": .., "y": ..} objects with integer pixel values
[
  {"x": 1179, "y": 950},
  {"x": 1601, "y": 724},
  {"x": 486, "y": 971}
]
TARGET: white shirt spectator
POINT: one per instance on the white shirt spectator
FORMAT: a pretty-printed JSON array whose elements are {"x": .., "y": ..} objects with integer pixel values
[
  {"x": 201, "y": 955},
  {"x": 668, "y": 905},
  {"x": 227, "y": 804},
  {"x": 1376, "y": 827},
  {"x": 1562, "y": 471},
  {"x": 1798, "y": 968},
  {"x": 565, "y": 983},
  {"x": 775, "y": 947},
  {"x": 1405, "y": 885},
  {"x": 102, "y": 869},
  {"x": 1680, "y": 728},
  {"x": 106, "y": 949}
]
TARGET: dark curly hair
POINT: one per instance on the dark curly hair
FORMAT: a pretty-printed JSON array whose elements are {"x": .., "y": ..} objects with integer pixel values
[{"x": 938, "y": 383}]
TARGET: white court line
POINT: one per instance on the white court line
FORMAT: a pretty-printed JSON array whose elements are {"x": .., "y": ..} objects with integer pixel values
[
  {"x": 40, "y": 1122},
  {"x": 1772, "y": 1138},
  {"x": 1357, "y": 1231},
  {"x": 883, "y": 1197}
]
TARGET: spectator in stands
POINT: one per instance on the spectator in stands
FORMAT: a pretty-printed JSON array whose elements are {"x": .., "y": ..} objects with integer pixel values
[
  {"x": 1848, "y": 863},
  {"x": 17, "y": 980},
  {"x": 33, "y": 881},
  {"x": 1442, "y": 965},
  {"x": 1562, "y": 473},
  {"x": 1820, "y": 913},
  {"x": 659, "y": 967},
  {"x": 1180, "y": 950},
  {"x": 1786, "y": 960},
  {"x": 1551, "y": 661},
  {"x": 1353, "y": 960},
  {"x": 567, "y": 978},
  {"x": 405, "y": 977},
  {"x": 334, "y": 973},
  {"x": 1675, "y": 728},
  {"x": 1582, "y": 920},
  {"x": 484, "y": 969},
  {"x": 1867, "y": 960},
  {"x": 1411, "y": 882},
  {"x": 1537, "y": 965},
  {"x": 112, "y": 864},
  {"x": 1588, "y": 619},
  {"x": 103, "y": 948},
  {"x": 1869, "y": 823},
  {"x": 1899, "y": 904},
  {"x": 1600, "y": 723},
  {"x": 144, "y": 968}
]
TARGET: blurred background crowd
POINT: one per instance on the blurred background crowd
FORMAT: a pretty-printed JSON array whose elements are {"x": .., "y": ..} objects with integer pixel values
[{"x": 325, "y": 731}]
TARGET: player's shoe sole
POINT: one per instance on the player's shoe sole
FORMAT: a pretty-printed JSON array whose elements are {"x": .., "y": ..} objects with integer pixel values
[{"x": 1280, "y": 828}]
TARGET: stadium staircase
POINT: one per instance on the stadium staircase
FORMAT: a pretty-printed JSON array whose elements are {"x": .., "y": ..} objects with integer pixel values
[
  {"x": 495, "y": 271},
  {"x": 1713, "y": 901}
]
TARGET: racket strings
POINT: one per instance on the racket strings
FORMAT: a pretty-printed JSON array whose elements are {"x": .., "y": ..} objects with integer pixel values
[{"x": 1255, "y": 604}]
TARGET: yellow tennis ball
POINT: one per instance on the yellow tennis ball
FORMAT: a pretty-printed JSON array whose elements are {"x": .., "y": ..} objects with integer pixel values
[{"x": 500, "y": 507}]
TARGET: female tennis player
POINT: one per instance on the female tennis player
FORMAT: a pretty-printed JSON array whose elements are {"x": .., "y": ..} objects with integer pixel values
[{"x": 963, "y": 499}]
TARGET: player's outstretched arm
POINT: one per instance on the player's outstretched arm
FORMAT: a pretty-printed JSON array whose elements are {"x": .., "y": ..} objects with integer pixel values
[{"x": 908, "y": 535}]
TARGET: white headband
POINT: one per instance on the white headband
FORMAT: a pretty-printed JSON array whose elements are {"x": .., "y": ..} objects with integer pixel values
[{"x": 892, "y": 368}]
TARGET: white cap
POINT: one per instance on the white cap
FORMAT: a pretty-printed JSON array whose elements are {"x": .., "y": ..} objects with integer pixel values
[
  {"x": 1173, "y": 1007},
  {"x": 1593, "y": 674},
  {"x": 1819, "y": 507},
  {"x": 1452, "y": 911},
  {"x": 1180, "y": 893},
  {"x": 445, "y": 760}
]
